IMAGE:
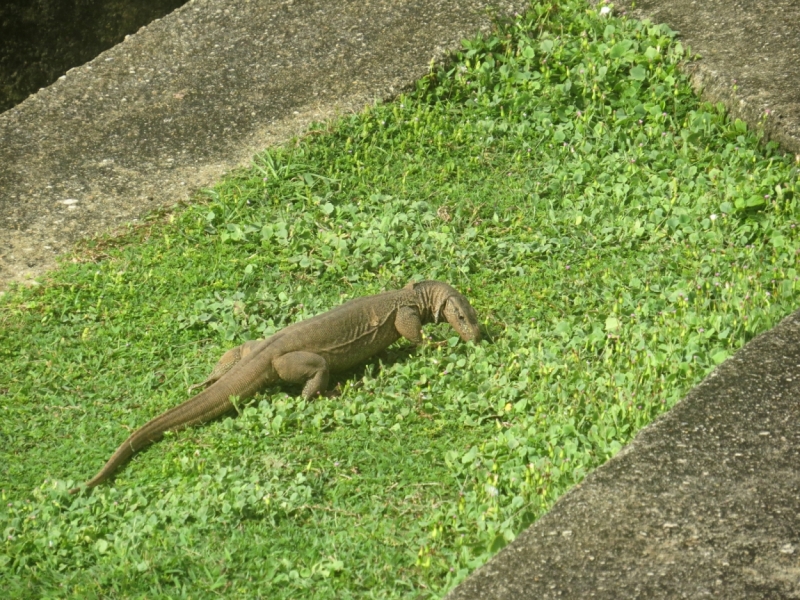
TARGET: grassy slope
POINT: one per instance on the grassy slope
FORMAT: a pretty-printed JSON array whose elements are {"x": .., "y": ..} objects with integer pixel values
[{"x": 617, "y": 238}]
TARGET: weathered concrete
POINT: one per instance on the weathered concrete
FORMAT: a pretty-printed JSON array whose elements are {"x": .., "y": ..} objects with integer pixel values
[
  {"x": 41, "y": 39},
  {"x": 192, "y": 96},
  {"x": 705, "y": 502},
  {"x": 749, "y": 56}
]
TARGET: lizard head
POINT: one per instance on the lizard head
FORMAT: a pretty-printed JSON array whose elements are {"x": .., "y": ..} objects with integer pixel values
[
  {"x": 440, "y": 301},
  {"x": 462, "y": 317}
]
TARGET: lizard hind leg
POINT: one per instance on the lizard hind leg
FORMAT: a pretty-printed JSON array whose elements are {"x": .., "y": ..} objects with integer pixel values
[
  {"x": 226, "y": 363},
  {"x": 303, "y": 367}
]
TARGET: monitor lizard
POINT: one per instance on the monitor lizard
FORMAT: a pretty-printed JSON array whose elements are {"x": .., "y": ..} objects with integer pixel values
[{"x": 306, "y": 353}]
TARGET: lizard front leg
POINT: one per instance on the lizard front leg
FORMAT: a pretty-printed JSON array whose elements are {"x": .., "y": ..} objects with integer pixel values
[
  {"x": 303, "y": 367},
  {"x": 408, "y": 324}
]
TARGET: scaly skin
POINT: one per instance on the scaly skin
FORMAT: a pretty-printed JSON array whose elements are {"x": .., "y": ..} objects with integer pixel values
[{"x": 307, "y": 352}]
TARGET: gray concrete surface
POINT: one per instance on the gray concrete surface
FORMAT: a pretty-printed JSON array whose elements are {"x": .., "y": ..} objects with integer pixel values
[
  {"x": 194, "y": 95},
  {"x": 41, "y": 39},
  {"x": 749, "y": 56},
  {"x": 705, "y": 502}
]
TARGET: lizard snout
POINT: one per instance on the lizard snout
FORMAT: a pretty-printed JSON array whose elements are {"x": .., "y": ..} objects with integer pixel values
[{"x": 463, "y": 318}]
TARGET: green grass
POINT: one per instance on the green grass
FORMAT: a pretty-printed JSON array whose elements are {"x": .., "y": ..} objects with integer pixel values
[{"x": 618, "y": 239}]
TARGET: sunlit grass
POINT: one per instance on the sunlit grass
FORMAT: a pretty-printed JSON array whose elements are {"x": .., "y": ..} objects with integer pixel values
[{"x": 617, "y": 238}]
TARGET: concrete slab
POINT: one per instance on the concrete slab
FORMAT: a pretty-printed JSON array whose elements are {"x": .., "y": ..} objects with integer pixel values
[
  {"x": 194, "y": 95},
  {"x": 705, "y": 502},
  {"x": 749, "y": 56}
]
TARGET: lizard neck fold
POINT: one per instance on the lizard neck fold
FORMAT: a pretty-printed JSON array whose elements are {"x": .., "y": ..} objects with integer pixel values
[{"x": 432, "y": 297}]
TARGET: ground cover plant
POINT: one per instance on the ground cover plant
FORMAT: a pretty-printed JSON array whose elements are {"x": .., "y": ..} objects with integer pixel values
[{"x": 618, "y": 239}]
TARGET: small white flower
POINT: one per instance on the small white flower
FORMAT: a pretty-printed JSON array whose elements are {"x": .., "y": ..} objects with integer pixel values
[
  {"x": 604, "y": 11},
  {"x": 713, "y": 217}
]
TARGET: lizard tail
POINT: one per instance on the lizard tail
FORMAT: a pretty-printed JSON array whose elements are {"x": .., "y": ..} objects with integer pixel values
[{"x": 205, "y": 406}]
